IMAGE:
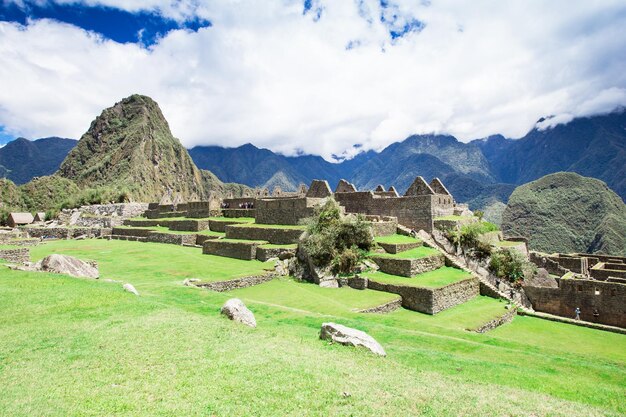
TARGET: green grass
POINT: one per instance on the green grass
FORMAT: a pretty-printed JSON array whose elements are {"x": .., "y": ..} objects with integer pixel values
[
  {"x": 262, "y": 242},
  {"x": 274, "y": 246},
  {"x": 164, "y": 229},
  {"x": 83, "y": 347},
  {"x": 433, "y": 279},
  {"x": 415, "y": 253},
  {"x": 122, "y": 260},
  {"x": 272, "y": 226},
  {"x": 234, "y": 219},
  {"x": 396, "y": 239}
]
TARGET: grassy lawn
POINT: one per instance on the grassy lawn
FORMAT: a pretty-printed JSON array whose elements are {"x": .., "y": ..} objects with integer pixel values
[
  {"x": 398, "y": 239},
  {"x": 273, "y": 246},
  {"x": 233, "y": 219},
  {"x": 82, "y": 347},
  {"x": 415, "y": 253},
  {"x": 272, "y": 226},
  {"x": 433, "y": 279},
  {"x": 141, "y": 261}
]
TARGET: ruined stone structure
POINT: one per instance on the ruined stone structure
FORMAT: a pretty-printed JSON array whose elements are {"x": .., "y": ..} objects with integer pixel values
[{"x": 596, "y": 284}]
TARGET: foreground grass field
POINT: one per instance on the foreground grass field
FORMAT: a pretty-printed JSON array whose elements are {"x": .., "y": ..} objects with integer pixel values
[{"x": 79, "y": 347}]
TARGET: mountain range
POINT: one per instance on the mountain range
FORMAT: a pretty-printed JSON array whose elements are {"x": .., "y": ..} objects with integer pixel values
[{"x": 481, "y": 172}]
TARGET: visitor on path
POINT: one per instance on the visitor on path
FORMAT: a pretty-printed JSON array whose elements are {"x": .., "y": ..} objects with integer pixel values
[
  {"x": 596, "y": 314},
  {"x": 577, "y": 311}
]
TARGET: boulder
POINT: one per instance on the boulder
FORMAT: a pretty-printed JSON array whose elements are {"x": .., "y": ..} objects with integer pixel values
[
  {"x": 350, "y": 337},
  {"x": 541, "y": 279},
  {"x": 189, "y": 282},
  {"x": 236, "y": 310},
  {"x": 63, "y": 264},
  {"x": 130, "y": 289}
]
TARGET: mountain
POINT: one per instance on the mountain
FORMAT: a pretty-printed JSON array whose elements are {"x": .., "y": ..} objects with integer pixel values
[
  {"x": 130, "y": 146},
  {"x": 21, "y": 160},
  {"x": 566, "y": 212},
  {"x": 591, "y": 146},
  {"x": 425, "y": 155},
  {"x": 262, "y": 168}
]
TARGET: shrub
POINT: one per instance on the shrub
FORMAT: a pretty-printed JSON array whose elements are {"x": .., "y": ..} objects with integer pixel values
[
  {"x": 511, "y": 265},
  {"x": 336, "y": 240}
]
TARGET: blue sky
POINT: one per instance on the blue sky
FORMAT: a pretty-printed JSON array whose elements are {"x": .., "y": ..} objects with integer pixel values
[{"x": 312, "y": 76}]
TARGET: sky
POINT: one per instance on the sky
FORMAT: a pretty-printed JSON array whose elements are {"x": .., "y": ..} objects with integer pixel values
[{"x": 324, "y": 77}]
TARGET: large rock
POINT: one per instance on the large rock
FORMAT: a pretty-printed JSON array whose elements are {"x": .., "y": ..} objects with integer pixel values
[
  {"x": 236, "y": 310},
  {"x": 350, "y": 337},
  {"x": 541, "y": 279},
  {"x": 68, "y": 265}
]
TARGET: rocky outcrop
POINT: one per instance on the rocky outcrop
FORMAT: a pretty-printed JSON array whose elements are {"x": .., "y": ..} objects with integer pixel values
[
  {"x": 351, "y": 337},
  {"x": 236, "y": 310},
  {"x": 68, "y": 265},
  {"x": 541, "y": 279}
]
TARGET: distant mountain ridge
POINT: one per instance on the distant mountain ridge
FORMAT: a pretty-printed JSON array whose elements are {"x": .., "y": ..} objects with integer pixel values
[
  {"x": 21, "y": 160},
  {"x": 480, "y": 172}
]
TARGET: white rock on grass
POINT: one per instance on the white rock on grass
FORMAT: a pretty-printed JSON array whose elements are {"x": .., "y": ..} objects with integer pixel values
[
  {"x": 351, "y": 337},
  {"x": 236, "y": 310},
  {"x": 63, "y": 264},
  {"x": 130, "y": 289}
]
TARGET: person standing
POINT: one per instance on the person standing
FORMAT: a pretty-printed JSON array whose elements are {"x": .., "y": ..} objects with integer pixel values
[{"x": 577, "y": 311}]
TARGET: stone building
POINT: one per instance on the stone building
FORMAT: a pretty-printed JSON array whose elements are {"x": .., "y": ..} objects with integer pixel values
[
  {"x": 20, "y": 219},
  {"x": 593, "y": 283}
]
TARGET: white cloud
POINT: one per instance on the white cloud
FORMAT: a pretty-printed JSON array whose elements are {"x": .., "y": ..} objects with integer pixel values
[{"x": 265, "y": 73}]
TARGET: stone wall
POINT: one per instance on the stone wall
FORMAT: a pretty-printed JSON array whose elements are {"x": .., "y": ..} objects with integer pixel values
[
  {"x": 454, "y": 294},
  {"x": 415, "y": 212},
  {"x": 409, "y": 267},
  {"x": 276, "y": 236},
  {"x": 548, "y": 263},
  {"x": 99, "y": 221},
  {"x": 265, "y": 253},
  {"x": 65, "y": 232},
  {"x": 171, "y": 238},
  {"x": 220, "y": 225},
  {"x": 138, "y": 232},
  {"x": 234, "y": 213},
  {"x": 603, "y": 271},
  {"x": 124, "y": 210},
  {"x": 428, "y": 300},
  {"x": 147, "y": 223},
  {"x": 231, "y": 249},
  {"x": 385, "y": 308},
  {"x": 498, "y": 321},
  {"x": 285, "y": 210},
  {"x": 200, "y": 239},
  {"x": 384, "y": 228},
  {"x": 607, "y": 298},
  {"x": 188, "y": 225},
  {"x": 17, "y": 255},
  {"x": 234, "y": 284},
  {"x": 399, "y": 247}
]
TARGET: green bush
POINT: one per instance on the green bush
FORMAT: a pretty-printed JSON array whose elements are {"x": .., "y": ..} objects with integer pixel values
[
  {"x": 337, "y": 240},
  {"x": 468, "y": 235},
  {"x": 511, "y": 265}
]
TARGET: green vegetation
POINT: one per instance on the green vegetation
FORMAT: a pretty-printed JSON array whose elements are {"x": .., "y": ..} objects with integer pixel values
[
  {"x": 396, "y": 239},
  {"x": 433, "y": 279},
  {"x": 451, "y": 217},
  {"x": 272, "y": 226},
  {"x": 511, "y": 265},
  {"x": 337, "y": 240},
  {"x": 142, "y": 261},
  {"x": 273, "y": 246},
  {"x": 81, "y": 347},
  {"x": 415, "y": 253},
  {"x": 566, "y": 212}
]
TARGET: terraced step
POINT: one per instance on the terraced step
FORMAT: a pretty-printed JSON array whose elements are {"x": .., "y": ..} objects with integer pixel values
[
  {"x": 430, "y": 292},
  {"x": 266, "y": 252},
  {"x": 409, "y": 263},
  {"x": 218, "y": 224},
  {"x": 398, "y": 243},
  {"x": 232, "y": 248},
  {"x": 274, "y": 234}
]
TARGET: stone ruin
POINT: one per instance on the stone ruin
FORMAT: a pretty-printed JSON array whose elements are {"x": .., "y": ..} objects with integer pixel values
[{"x": 594, "y": 283}]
